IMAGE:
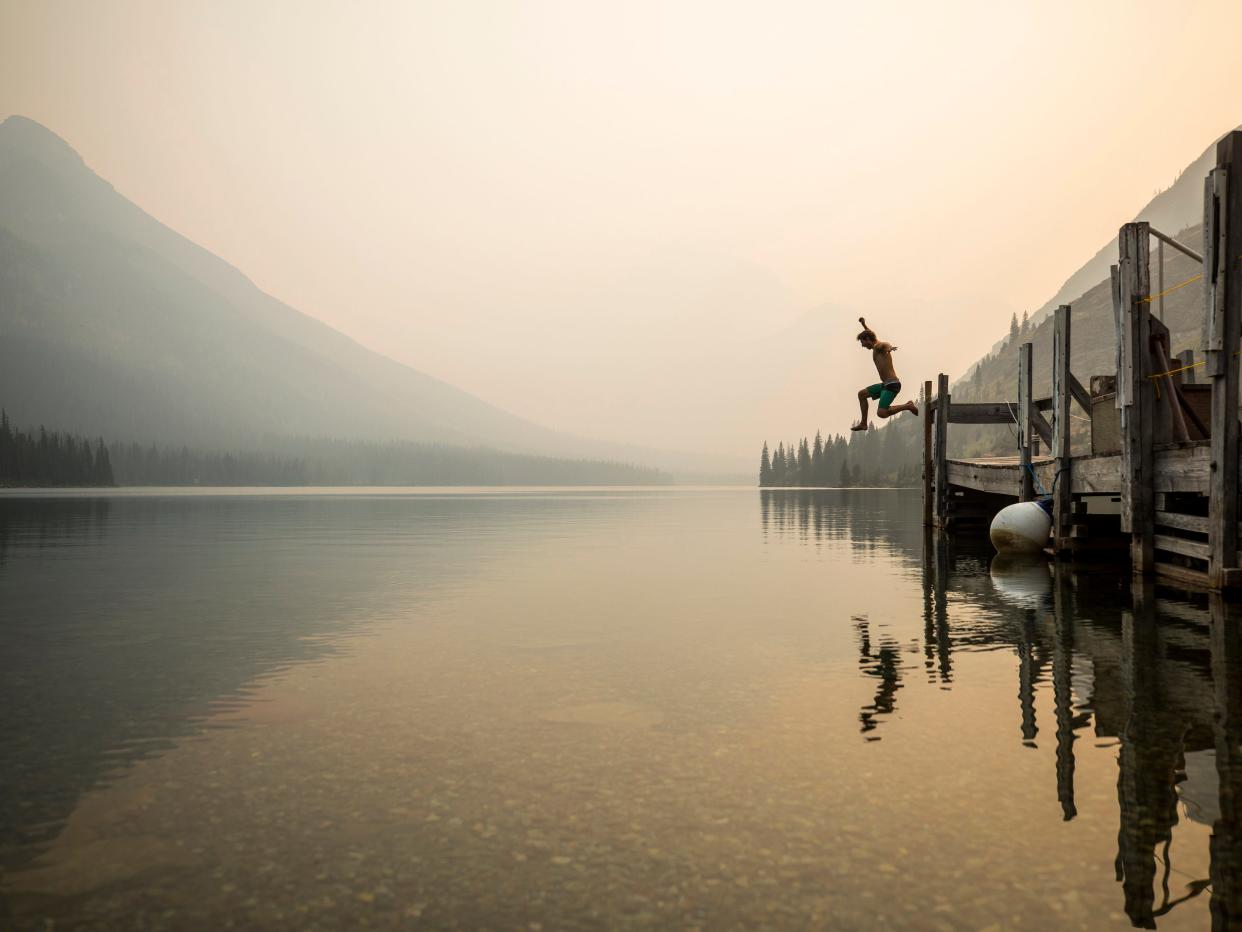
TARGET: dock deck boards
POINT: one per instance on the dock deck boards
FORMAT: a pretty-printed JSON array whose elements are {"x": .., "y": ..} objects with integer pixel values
[{"x": 1180, "y": 467}]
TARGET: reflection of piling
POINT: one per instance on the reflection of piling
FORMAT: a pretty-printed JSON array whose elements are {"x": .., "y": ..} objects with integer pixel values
[
  {"x": 1149, "y": 759},
  {"x": 1063, "y": 691},
  {"x": 1226, "y": 842},
  {"x": 1027, "y": 672},
  {"x": 937, "y": 644}
]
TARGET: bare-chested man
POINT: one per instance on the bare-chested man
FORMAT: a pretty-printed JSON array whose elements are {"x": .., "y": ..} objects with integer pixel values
[{"x": 888, "y": 386}]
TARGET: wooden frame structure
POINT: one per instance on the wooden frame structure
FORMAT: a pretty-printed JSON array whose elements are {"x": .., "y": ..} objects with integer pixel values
[{"x": 1175, "y": 477}]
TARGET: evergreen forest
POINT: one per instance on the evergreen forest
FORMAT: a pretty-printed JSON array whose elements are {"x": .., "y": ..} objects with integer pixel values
[
  {"x": 879, "y": 457},
  {"x": 40, "y": 458}
]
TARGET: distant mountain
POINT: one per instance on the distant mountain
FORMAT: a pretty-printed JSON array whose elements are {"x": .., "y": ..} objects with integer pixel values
[
  {"x": 113, "y": 324},
  {"x": 1171, "y": 211}
]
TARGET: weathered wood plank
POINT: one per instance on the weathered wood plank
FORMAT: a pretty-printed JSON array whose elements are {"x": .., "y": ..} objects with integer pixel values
[
  {"x": 1224, "y": 281},
  {"x": 1171, "y": 519},
  {"x": 1025, "y": 410},
  {"x": 1081, "y": 395},
  {"x": 1137, "y": 411},
  {"x": 1184, "y": 250},
  {"x": 1063, "y": 483},
  {"x": 1187, "y": 548},
  {"x": 942, "y": 448},
  {"x": 1119, "y": 327},
  {"x": 1043, "y": 431},
  {"x": 980, "y": 413},
  {"x": 928, "y": 484}
]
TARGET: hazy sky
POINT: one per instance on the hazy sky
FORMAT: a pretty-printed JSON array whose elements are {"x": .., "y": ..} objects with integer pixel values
[{"x": 613, "y": 217}]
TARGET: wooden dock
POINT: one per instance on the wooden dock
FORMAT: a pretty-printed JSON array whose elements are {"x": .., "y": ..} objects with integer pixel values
[{"x": 1158, "y": 482}]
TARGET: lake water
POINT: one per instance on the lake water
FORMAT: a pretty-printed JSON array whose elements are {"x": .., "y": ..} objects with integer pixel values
[{"x": 545, "y": 709}]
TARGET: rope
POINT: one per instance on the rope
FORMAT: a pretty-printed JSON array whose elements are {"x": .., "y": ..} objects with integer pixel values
[
  {"x": 1189, "y": 281},
  {"x": 1193, "y": 365}
]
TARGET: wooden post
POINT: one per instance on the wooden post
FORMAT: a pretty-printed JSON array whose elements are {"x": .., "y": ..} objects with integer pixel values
[
  {"x": 1185, "y": 362},
  {"x": 942, "y": 450},
  {"x": 928, "y": 485},
  {"x": 1138, "y": 407},
  {"x": 1063, "y": 485},
  {"x": 1026, "y": 490},
  {"x": 1222, "y": 275}
]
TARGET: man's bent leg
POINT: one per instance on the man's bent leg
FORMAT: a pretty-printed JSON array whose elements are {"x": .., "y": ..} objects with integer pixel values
[{"x": 863, "y": 395}]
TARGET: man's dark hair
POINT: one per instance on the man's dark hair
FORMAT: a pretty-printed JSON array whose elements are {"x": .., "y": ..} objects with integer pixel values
[{"x": 866, "y": 335}]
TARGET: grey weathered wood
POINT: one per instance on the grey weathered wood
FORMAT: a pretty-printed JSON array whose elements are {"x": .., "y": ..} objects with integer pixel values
[
  {"x": 1196, "y": 523},
  {"x": 1043, "y": 431},
  {"x": 980, "y": 413},
  {"x": 1119, "y": 328},
  {"x": 1025, "y": 427},
  {"x": 928, "y": 484},
  {"x": 1224, "y": 281},
  {"x": 1063, "y": 484},
  {"x": 1137, "y": 473},
  {"x": 1170, "y": 406},
  {"x": 942, "y": 449},
  {"x": 1178, "y": 468},
  {"x": 1081, "y": 395},
  {"x": 1183, "y": 249},
  {"x": 1186, "y": 362},
  {"x": 1209, "y": 259},
  {"x": 1160, "y": 273},
  {"x": 1187, "y": 548}
]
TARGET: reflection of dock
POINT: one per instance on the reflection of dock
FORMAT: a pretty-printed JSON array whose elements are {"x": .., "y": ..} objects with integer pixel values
[
  {"x": 1162, "y": 676},
  {"x": 1165, "y": 448}
]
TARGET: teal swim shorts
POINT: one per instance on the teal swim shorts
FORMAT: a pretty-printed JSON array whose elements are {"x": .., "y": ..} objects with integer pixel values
[{"x": 885, "y": 391}]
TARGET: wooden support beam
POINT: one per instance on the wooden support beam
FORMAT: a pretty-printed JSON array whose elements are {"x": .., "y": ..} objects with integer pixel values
[
  {"x": 1025, "y": 410},
  {"x": 1137, "y": 411},
  {"x": 1223, "y": 286},
  {"x": 942, "y": 449},
  {"x": 1184, "y": 250},
  {"x": 987, "y": 412},
  {"x": 1062, "y": 391},
  {"x": 928, "y": 484},
  {"x": 1043, "y": 431},
  {"x": 1081, "y": 395}
]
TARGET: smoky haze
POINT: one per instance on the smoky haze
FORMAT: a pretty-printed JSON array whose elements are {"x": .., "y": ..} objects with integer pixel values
[{"x": 649, "y": 223}]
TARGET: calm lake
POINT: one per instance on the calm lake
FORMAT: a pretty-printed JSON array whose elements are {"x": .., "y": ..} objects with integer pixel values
[{"x": 554, "y": 709}]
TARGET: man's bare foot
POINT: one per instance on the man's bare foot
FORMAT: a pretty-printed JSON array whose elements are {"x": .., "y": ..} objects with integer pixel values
[
  {"x": 861, "y": 426},
  {"x": 913, "y": 409}
]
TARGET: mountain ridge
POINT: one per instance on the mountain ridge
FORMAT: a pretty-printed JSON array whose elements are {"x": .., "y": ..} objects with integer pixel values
[{"x": 151, "y": 334}]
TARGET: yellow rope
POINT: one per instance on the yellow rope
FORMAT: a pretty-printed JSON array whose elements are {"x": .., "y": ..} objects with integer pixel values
[
  {"x": 1189, "y": 281},
  {"x": 1193, "y": 365}
]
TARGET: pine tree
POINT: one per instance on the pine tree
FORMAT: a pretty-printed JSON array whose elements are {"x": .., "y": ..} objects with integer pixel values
[
  {"x": 804, "y": 463},
  {"x": 1014, "y": 331},
  {"x": 817, "y": 461},
  {"x": 778, "y": 466},
  {"x": 765, "y": 468},
  {"x": 1026, "y": 324}
]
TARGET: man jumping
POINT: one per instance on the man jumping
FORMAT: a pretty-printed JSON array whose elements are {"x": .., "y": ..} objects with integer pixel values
[{"x": 888, "y": 386}]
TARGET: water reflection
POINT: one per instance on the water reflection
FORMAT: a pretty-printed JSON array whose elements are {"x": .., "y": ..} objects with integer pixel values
[
  {"x": 128, "y": 623},
  {"x": 660, "y": 708},
  {"x": 1157, "y": 670}
]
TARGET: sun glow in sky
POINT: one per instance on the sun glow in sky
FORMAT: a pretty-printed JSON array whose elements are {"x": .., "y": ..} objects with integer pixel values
[{"x": 650, "y": 222}]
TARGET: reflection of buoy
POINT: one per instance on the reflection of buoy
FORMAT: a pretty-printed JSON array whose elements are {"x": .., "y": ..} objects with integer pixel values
[
  {"x": 1021, "y": 528},
  {"x": 1021, "y": 579}
]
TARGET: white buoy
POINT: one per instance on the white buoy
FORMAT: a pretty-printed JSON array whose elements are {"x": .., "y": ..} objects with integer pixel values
[{"x": 1021, "y": 528}]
